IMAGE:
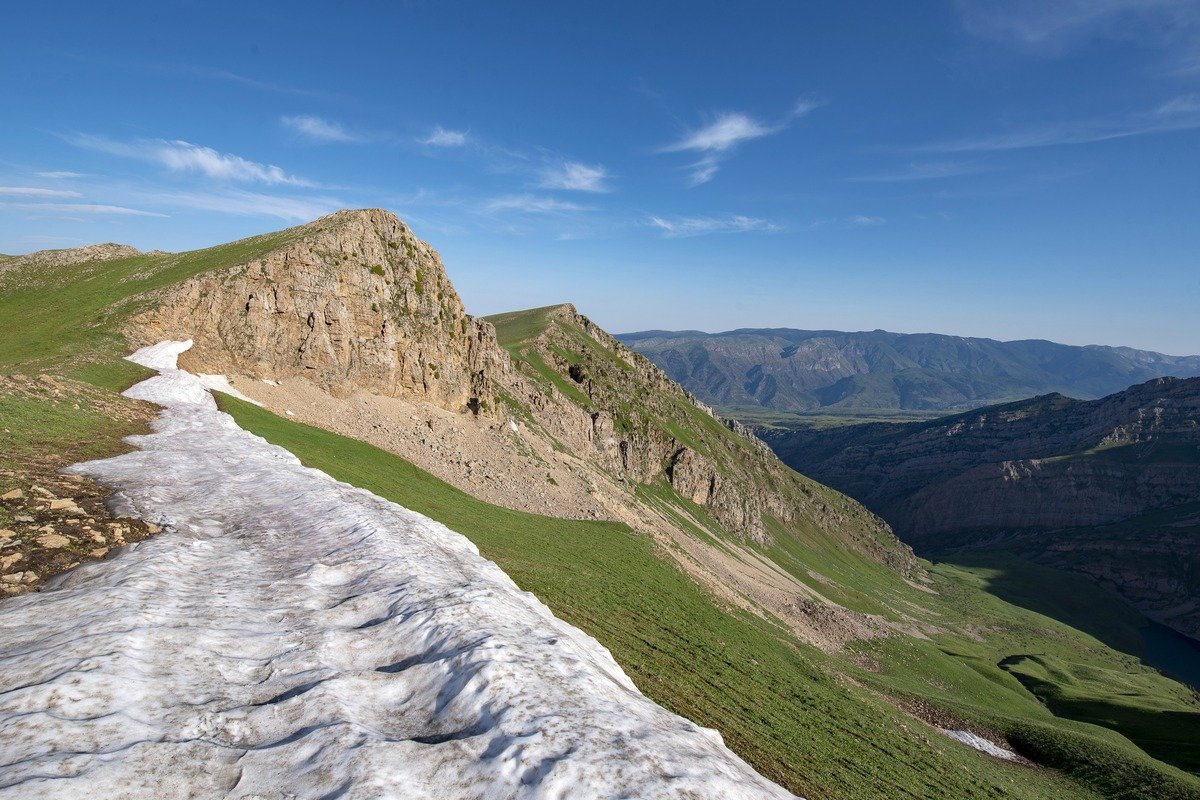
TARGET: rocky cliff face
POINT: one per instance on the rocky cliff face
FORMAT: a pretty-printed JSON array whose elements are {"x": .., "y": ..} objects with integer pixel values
[
  {"x": 351, "y": 301},
  {"x": 1106, "y": 486},
  {"x": 599, "y": 396}
]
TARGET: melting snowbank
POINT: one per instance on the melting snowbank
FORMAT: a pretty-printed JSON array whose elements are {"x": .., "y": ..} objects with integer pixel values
[
  {"x": 981, "y": 744},
  {"x": 292, "y": 636}
]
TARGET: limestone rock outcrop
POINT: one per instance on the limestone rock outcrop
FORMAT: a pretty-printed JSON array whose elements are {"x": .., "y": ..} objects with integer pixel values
[{"x": 351, "y": 301}]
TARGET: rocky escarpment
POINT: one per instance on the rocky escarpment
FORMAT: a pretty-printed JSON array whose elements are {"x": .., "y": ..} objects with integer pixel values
[
  {"x": 1102, "y": 486},
  {"x": 49, "y": 259},
  {"x": 597, "y": 395},
  {"x": 351, "y": 301}
]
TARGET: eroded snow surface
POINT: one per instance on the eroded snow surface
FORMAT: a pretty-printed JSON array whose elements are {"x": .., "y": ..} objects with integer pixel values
[
  {"x": 979, "y": 743},
  {"x": 294, "y": 637}
]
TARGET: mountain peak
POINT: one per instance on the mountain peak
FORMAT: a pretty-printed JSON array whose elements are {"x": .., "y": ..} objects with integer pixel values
[{"x": 105, "y": 251}]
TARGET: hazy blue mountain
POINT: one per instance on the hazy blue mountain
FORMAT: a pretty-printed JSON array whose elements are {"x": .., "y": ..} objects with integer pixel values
[{"x": 795, "y": 370}]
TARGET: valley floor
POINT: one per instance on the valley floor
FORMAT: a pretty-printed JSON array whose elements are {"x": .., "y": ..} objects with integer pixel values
[{"x": 295, "y": 636}]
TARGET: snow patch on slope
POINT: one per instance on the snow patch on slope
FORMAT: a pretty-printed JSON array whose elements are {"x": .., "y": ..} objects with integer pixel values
[
  {"x": 981, "y": 744},
  {"x": 292, "y": 636}
]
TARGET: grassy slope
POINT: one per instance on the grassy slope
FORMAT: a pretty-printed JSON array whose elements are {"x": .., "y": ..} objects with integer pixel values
[
  {"x": 779, "y": 703},
  {"x": 536, "y": 337},
  {"x": 953, "y": 671}
]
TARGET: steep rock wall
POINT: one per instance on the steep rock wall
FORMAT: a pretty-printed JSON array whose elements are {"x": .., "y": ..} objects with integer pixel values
[{"x": 352, "y": 301}]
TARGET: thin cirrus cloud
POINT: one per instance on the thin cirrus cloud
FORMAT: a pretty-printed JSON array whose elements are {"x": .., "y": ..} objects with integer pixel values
[
  {"x": 33, "y": 191},
  {"x": 184, "y": 157},
  {"x": 531, "y": 204},
  {"x": 577, "y": 177},
  {"x": 855, "y": 221},
  {"x": 85, "y": 208},
  {"x": 252, "y": 204},
  {"x": 1058, "y": 26},
  {"x": 444, "y": 137},
  {"x": 60, "y": 175},
  {"x": 320, "y": 130},
  {"x": 1168, "y": 28},
  {"x": 679, "y": 227},
  {"x": 930, "y": 171},
  {"x": 1177, "y": 114},
  {"x": 717, "y": 140}
]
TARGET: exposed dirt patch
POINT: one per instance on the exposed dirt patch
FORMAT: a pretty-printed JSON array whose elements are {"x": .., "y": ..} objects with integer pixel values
[
  {"x": 50, "y": 523},
  {"x": 501, "y": 463}
]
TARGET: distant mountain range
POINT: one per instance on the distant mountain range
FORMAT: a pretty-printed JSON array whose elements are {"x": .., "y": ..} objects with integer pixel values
[
  {"x": 1107, "y": 487},
  {"x": 796, "y": 370}
]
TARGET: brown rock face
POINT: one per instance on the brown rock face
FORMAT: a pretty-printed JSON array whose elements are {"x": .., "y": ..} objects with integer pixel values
[
  {"x": 636, "y": 422},
  {"x": 351, "y": 301}
]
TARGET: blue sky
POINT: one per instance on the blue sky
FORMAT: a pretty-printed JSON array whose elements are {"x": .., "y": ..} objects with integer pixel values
[{"x": 1023, "y": 169}]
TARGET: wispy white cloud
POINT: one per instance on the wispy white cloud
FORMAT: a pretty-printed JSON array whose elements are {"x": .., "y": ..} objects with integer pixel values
[
  {"x": 927, "y": 171},
  {"x": 1185, "y": 106},
  {"x": 444, "y": 137},
  {"x": 854, "y": 221},
  {"x": 531, "y": 204},
  {"x": 1064, "y": 23},
  {"x": 180, "y": 156},
  {"x": 719, "y": 138},
  {"x": 33, "y": 191},
  {"x": 574, "y": 176},
  {"x": 84, "y": 208},
  {"x": 243, "y": 80},
  {"x": 698, "y": 226},
  {"x": 318, "y": 129},
  {"x": 1170, "y": 28},
  {"x": 59, "y": 175},
  {"x": 725, "y": 132},
  {"x": 253, "y": 204},
  {"x": 1178, "y": 114}
]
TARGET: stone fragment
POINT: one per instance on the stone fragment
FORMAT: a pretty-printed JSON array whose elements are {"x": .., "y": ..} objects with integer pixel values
[
  {"x": 15, "y": 494},
  {"x": 53, "y": 541},
  {"x": 66, "y": 504}
]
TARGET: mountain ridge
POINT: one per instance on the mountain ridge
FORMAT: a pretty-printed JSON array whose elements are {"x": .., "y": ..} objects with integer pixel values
[{"x": 835, "y": 371}]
